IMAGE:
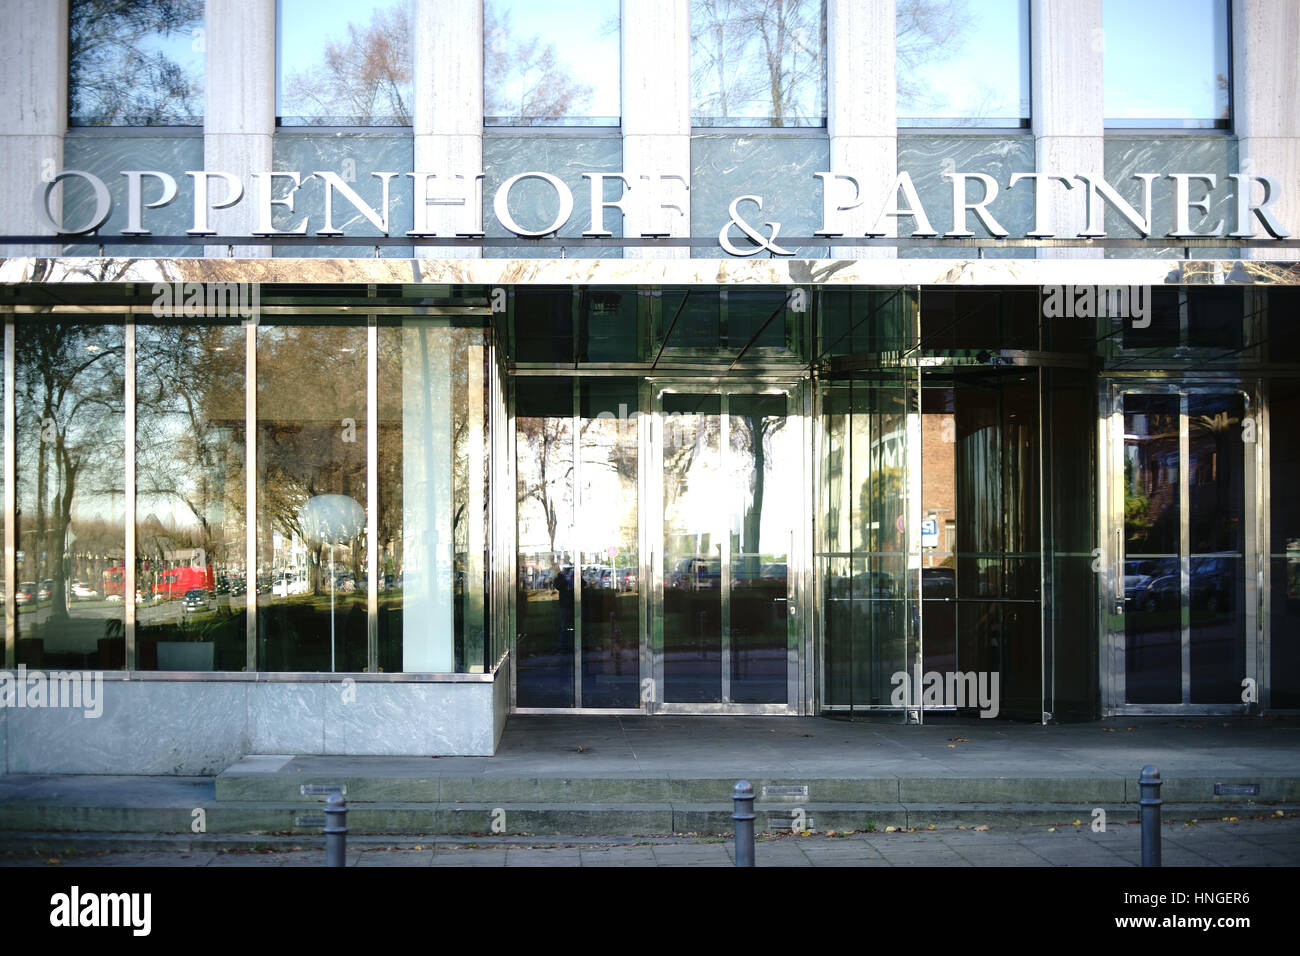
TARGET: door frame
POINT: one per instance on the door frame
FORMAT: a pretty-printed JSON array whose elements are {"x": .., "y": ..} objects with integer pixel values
[
  {"x": 1111, "y": 627},
  {"x": 798, "y": 560}
]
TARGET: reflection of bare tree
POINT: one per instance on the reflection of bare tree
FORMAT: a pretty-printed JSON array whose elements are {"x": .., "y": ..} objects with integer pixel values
[
  {"x": 69, "y": 402},
  {"x": 523, "y": 81},
  {"x": 926, "y": 31},
  {"x": 364, "y": 79},
  {"x": 543, "y": 443},
  {"x": 189, "y": 441},
  {"x": 759, "y": 58},
  {"x": 752, "y": 432},
  {"x": 114, "y": 80}
]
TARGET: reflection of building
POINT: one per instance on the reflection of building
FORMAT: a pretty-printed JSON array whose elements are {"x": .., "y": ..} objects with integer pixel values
[{"x": 612, "y": 474}]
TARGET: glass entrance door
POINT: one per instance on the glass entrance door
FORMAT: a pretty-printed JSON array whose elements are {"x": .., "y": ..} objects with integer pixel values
[
  {"x": 730, "y": 470},
  {"x": 1183, "y": 594}
]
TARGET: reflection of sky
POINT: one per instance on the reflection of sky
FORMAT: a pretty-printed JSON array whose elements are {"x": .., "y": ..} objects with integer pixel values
[
  {"x": 975, "y": 77},
  {"x": 586, "y": 40},
  {"x": 1162, "y": 57}
]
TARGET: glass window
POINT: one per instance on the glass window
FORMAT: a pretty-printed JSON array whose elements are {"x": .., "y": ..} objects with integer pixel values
[
  {"x": 945, "y": 49},
  {"x": 758, "y": 62},
  {"x": 70, "y": 522},
  {"x": 344, "y": 63},
  {"x": 190, "y": 548},
  {"x": 433, "y": 494},
  {"x": 1166, "y": 64},
  {"x": 551, "y": 64},
  {"x": 135, "y": 63},
  {"x": 311, "y": 494}
]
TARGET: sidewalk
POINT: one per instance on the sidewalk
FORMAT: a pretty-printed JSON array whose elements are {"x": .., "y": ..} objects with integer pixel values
[{"x": 1270, "y": 841}]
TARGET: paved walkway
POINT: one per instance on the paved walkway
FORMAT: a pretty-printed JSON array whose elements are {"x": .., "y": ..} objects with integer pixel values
[{"x": 1242, "y": 841}]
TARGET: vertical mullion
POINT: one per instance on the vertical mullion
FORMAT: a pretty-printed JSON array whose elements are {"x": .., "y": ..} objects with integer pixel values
[
  {"x": 128, "y": 577},
  {"x": 1184, "y": 546},
  {"x": 372, "y": 494},
  {"x": 10, "y": 497},
  {"x": 575, "y": 545},
  {"x": 250, "y": 494},
  {"x": 724, "y": 584}
]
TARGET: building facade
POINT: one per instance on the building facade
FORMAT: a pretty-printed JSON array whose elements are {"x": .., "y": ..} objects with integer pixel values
[{"x": 375, "y": 371}]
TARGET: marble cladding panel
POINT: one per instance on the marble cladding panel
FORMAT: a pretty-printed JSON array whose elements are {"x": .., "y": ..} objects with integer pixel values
[
  {"x": 780, "y": 168},
  {"x": 288, "y": 718},
  {"x": 146, "y": 727},
  {"x": 927, "y": 158},
  {"x": 106, "y": 156},
  {"x": 1126, "y": 155},
  {"x": 500, "y": 699},
  {"x": 354, "y": 157},
  {"x": 411, "y": 719},
  {"x": 533, "y": 202}
]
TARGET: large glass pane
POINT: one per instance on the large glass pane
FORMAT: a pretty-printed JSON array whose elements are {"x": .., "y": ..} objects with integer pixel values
[
  {"x": 432, "y": 497},
  {"x": 945, "y": 53},
  {"x": 1166, "y": 63},
  {"x": 1217, "y": 574},
  {"x": 70, "y": 503},
  {"x": 136, "y": 63},
  {"x": 607, "y": 530},
  {"x": 695, "y": 528},
  {"x": 190, "y": 510},
  {"x": 544, "y": 638},
  {"x": 758, "y": 62},
  {"x": 1152, "y": 550},
  {"x": 344, "y": 63},
  {"x": 311, "y": 494},
  {"x": 1284, "y": 519},
  {"x": 551, "y": 64},
  {"x": 763, "y": 486}
]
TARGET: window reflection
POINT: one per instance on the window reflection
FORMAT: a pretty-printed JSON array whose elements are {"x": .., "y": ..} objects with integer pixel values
[
  {"x": 548, "y": 64},
  {"x": 345, "y": 63},
  {"x": 311, "y": 494},
  {"x": 190, "y": 514},
  {"x": 432, "y": 498},
  {"x": 758, "y": 62},
  {"x": 945, "y": 49},
  {"x": 1166, "y": 63},
  {"x": 70, "y": 528},
  {"x": 135, "y": 63}
]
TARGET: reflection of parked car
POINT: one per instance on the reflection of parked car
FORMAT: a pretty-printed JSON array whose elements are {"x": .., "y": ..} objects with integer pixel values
[
  {"x": 938, "y": 582},
  {"x": 47, "y": 588},
  {"x": 25, "y": 593},
  {"x": 195, "y": 600},
  {"x": 82, "y": 591},
  {"x": 697, "y": 574}
]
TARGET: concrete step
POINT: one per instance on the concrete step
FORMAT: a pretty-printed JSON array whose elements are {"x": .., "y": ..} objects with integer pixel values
[{"x": 542, "y": 819}]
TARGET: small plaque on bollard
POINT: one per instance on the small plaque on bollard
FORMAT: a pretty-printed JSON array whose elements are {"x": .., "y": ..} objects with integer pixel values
[
  {"x": 309, "y": 821},
  {"x": 1236, "y": 790},
  {"x": 783, "y": 792},
  {"x": 322, "y": 789}
]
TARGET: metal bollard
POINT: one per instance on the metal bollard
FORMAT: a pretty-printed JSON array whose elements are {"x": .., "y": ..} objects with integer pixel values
[
  {"x": 742, "y": 798},
  {"x": 336, "y": 830},
  {"x": 1149, "y": 801}
]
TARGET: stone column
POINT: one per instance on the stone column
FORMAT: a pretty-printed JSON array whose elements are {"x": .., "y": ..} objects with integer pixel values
[
  {"x": 448, "y": 77},
  {"x": 1066, "y": 47},
  {"x": 239, "y": 111},
  {"x": 33, "y": 114},
  {"x": 862, "y": 112},
  {"x": 656, "y": 55},
  {"x": 1265, "y": 90}
]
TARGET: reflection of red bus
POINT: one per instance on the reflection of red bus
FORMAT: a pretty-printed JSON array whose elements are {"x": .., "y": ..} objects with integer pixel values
[
  {"x": 174, "y": 582},
  {"x": 114, "y": 581}
]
